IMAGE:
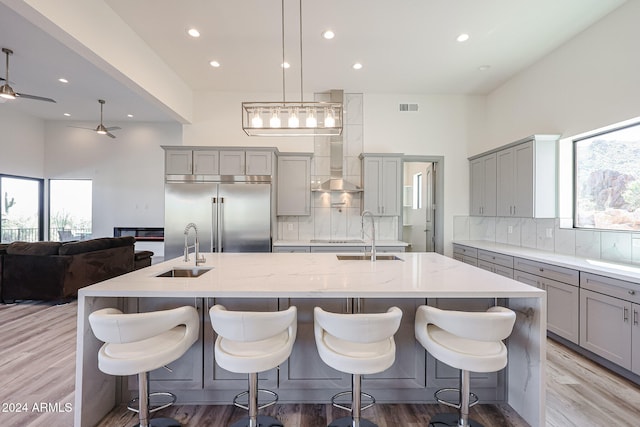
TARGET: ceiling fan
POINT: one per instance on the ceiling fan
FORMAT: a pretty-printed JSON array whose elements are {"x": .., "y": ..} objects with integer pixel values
[
  {"x": 7, "y": 91},
  {"x": 101, "y": 129}
]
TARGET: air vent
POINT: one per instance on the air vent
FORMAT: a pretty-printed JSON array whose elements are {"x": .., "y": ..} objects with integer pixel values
[{"x": 408, "y": 107}]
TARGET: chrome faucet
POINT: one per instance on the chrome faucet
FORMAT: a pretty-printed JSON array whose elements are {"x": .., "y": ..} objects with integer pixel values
[
  {"x": 196, "y": 245},
  {"x": 373, "y": 232}
]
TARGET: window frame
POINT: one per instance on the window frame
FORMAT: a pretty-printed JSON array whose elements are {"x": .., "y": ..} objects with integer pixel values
[{"x": 40, "y": 182}]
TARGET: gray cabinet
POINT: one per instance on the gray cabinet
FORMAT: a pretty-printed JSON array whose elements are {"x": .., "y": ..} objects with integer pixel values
[
  {"x": 563, "y": 298},
  {"x": 184, "y": 373},
  {"x": 304, "y": 369},
  {"x": 496, "y": 263},
  {"x": 609, "y": 316},
  {"x": 483, "y": 186},
  {"x": 526, "y": 178},
  {"x": 294, "y": 185},
  {"x": 465, "y": 254},
  {"x": 220, "y": 379},
  {"x": 202, "y": 161},
  {"x": 382, "y": 178},
  {"x": 291, "y": 249},
  {"x": 518, "y": 180},
  {"x": 206, "y": 162}
]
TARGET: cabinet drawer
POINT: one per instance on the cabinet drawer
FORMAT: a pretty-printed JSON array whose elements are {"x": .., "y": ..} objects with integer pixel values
[
  {"x": 561, "y": 274},
  {"x": 613, "y": 287},
  {"x": 495, "y": 258},
  {"x": 465, "y": 250},
  {"x": 495, "y": 268},
  {"x": 470, "y": 260}
]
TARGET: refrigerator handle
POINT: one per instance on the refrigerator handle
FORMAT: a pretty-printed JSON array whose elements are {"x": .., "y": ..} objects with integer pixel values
[
  {"x": 214, "y": 226},
  {"x": 221, "y": 226}
]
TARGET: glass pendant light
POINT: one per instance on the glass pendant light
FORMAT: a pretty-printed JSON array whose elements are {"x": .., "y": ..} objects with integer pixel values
[
  {"x": 275, "y": 122},
  {"x": 312, "y": 122},
  {"x": 256, "y": 120},
  {"x": 329, "y": 120},
  {"x": 294, "y": 122}
]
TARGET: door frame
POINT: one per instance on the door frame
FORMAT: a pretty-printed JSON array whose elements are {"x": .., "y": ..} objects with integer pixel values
[{"x": 438, "y": 167}]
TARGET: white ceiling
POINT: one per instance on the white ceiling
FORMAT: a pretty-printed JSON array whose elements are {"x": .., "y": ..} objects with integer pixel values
[{"x": 405, "y": 46}]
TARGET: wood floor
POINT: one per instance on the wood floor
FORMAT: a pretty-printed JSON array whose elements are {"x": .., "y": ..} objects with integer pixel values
[{"x": 37, "y": 371}]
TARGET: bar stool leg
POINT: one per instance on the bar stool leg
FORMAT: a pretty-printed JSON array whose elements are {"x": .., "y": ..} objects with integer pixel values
[
  {"x": 143, "y": 407},
  {"x": 461, "y": 419},
  {"x": 253, "y": 419}
]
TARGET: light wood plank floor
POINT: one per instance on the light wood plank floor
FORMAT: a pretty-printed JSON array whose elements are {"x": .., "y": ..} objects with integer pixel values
[{"x": 37, "y": 371}]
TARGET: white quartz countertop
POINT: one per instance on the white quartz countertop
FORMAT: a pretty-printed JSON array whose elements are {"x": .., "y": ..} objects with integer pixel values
[
  {"x": 338, "y": 242},
  {"x": 596, "y": 266},
  {"x": 316, "y": 275}
]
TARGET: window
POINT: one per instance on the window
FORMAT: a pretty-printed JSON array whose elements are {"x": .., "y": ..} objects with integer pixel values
[
  {"x": 20, "y": 209},
  {"x": 607, "y": 180},
  {"x": 70, "y": 209}
]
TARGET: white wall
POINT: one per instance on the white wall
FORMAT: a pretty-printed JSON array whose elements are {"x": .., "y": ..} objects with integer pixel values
[
  {"x": 127, "y": 172},
  {"x": 590, "y": 82},
  {"x": 21, "y": 144}
]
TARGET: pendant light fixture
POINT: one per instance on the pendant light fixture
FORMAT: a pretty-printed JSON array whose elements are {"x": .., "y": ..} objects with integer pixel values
[{"x": 289, "y": 118}]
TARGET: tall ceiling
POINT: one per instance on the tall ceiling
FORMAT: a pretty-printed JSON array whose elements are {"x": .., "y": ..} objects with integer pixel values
[{"x": 405, "y": 46}]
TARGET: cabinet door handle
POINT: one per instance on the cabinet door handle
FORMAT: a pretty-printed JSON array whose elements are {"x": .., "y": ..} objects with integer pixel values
[
  {"x": 635, "y": 317},
  {"x": 626, "y": 315},
  {"x": 632, "y": 292},
  {"x": 514, "y": 210}
]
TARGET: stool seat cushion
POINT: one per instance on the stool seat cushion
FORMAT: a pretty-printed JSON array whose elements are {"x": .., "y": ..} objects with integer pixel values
[
  {"x": 471, "y": 341},
  {"x": 463, "y": 353},
  {"x": 251, "y": 342},
  {"x": 142, "y": 342},
  {"x": 359, "y": 343}
]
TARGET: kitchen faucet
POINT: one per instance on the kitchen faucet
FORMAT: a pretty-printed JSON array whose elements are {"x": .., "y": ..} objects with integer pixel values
[
  {"x": 196, "y": 245},
  {"x": 373, "y": 232}
]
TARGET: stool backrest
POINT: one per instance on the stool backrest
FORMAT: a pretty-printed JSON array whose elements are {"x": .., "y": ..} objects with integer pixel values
[
  {"x": 495, "y": 324},
  {"x": 359, "y": 327},
  {"x": 112, "y": 326},
  {"x": 251, "y": 325}
]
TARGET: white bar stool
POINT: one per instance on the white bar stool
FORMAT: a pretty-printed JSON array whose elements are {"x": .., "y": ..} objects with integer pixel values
[
  {"x": 358, "y": 344},
  {"x": 137, "y": 343},
  {"x": 469, "y": 341},
  {"x": 250, "y": 342}
]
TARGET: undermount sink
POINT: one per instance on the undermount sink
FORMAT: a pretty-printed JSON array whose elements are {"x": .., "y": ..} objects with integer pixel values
[
  {"x": 354, "y": 241},
  {"x": 185, "y": 272},
  {"x": 368, "y": 258}
]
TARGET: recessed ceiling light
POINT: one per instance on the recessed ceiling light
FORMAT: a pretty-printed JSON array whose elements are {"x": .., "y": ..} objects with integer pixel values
[
  {"x": 63, "y": 80},
  {"x": 130, "y": 115},
  {"x": 463, "y": 37},
  {"x": 67, "y": 114},
  {"x": 328, "y": 34},
  {"x": 214, "y": 64},
  {"x": 357, "y": 66},
  {"x": 285, "y": 65},
  {"x": 193, "y": 32},
  {"x": 484, "y": 67}
]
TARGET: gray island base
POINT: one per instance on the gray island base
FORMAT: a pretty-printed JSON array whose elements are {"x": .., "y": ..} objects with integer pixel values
[{"x": 274, "y": 281}]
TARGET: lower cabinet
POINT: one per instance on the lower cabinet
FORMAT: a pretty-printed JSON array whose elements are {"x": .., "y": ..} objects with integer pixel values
[
  {"x": 609, "y": 320},
  {"x": 465, "y": 254},
  {"x": 496, "y": 263},
  {"x": 563, "y": 298},
  {"x": 214, "y": 376},
  {"x": 184, "y": 373}
]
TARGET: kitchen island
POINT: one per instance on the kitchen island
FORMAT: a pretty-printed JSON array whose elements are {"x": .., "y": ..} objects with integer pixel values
[{"x": 305, "y": 280}]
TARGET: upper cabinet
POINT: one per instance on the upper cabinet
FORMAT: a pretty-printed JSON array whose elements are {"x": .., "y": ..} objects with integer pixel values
[
  {"x": 525, "y": 177},
  {"x": 237, "y": 162},
  {"x": 483, "y": 186},
  {"x": 382, "y": 179},
  {"x": 294, "y": 184}
]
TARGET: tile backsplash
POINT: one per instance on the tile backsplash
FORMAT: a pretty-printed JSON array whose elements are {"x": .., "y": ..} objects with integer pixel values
[
  {"x": 337, "y": 215},
  {"x": 547, "y": 235}
]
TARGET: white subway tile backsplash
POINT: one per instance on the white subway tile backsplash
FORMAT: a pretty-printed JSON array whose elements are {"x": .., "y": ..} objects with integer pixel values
[
  {"x": 545, "y": 229},
  {"x": 588, "y": 244},
  {"x": 528, "y": 233},
  {"x": 565, "y": 241},
  {"x": 482, "y": 228}
]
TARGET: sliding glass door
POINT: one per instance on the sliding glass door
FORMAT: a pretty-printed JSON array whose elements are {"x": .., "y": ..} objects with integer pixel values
[{"x": 21, "y": 202}]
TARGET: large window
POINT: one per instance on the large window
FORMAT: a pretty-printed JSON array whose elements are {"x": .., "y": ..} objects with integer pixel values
[
  {"x": 20, "y": 209},
  {"x": 70, "y": 209},
  {"x": 607, "y": 180}
]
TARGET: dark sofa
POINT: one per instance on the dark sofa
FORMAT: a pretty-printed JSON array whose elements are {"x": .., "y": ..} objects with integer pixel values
[{"x": 55, "y": 270}]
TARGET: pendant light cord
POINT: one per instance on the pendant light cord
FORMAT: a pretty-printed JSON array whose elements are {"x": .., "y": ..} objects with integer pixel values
[
  {"x": 283, "y": 68},
  {"x": 301, "y": 97}
]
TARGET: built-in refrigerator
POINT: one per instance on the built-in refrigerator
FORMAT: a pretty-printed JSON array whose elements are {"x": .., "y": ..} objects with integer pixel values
[{"x": 231, "y": 217}]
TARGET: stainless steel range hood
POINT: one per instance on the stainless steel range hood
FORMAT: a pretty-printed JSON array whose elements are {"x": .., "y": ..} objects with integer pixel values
[{"x": 336, "y": 182}]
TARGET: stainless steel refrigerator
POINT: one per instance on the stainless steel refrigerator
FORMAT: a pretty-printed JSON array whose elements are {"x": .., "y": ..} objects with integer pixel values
[{"x": 230, "y": 217}]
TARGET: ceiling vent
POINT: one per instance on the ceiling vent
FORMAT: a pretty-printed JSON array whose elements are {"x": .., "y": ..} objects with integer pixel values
[{"x": 408, "y": 107}]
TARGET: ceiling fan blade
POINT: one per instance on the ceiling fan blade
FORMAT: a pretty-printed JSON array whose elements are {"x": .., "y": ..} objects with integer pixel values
[
  {"x": 113, "y": 128},
  {"x": 110, "y": 135},
  {"x": 37, "y": 98},
  {"x": 78, "y": 127}
]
